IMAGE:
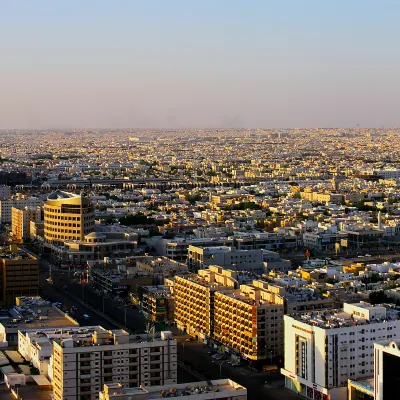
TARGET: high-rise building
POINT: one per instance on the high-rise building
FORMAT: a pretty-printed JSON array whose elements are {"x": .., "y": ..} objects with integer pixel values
[
  {"x": 83, "y": 361},
  {"x": 326, "y": 348},
  {"x": 247, "y": 322},
  {"x": 194, "y": 299},
  {"x": 5, "y": 192},
  {"x": 21, "y": 219},
  {"x": 67, "y": 217},
  {"x": 19, "y": 274}
]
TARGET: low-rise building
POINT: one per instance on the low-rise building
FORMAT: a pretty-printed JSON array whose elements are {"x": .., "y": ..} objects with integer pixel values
[
  {"x": 21, "y": 220},
  {"x": 157, "y": 303},
  {"x": 207, "y": 390}
]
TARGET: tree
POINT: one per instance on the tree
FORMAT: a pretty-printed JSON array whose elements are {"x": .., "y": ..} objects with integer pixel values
[{"x": 378, "y": 297}]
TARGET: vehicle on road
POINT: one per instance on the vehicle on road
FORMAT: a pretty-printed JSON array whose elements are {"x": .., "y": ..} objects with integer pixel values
[
  {"x": 74, "y": 308},
  {"x": 190, "y": 339},
  {"x": 85, "y": 316}
]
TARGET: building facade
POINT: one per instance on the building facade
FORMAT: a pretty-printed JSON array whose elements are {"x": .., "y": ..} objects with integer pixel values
[
  {"x": 21, "y": 221},
  {"x": 324, "y": 349},
  {"x": 67, "y": 217},
  {"x": 19, "y": 274},
  {"x": 194, "y": 299},
  {"x": 83, "y": 362},
  {"x": 246, "y": 321}
]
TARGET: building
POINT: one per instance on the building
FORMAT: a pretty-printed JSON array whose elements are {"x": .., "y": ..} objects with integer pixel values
[
  {"x": 222, "y": 389},
  {"x": 21, "y": 221},
  {"x": 19, "y": 274},
  {"x": 83, "y": 362},
  {"x": 116, "y": 283},
  {"x": 194, "y": 299},
  {"x": 247, "y": 322},
  {"x": 17, "y": 201},
  {"x": 5, "y": 192},
  {"x": 67, "y": 217},
  {"x": 96, "y": 246},
  {"x": 273, "y": 262},
  {"x": 226, "y": 257},
  {"x": 32, "y": 313},
  {"x": 326, "y": 348},
  {"x": 156, "y": 303},
  {"x": 387, "y": 367}
]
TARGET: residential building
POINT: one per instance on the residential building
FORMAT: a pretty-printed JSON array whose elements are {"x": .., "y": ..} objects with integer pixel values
[
  {"x": 247, "y": 322},
  {"x": 83, "y": 362},
  {"x": 226, "y": 257},
  {"x": 5, "y": 192},
  {"x": 17, "y": 201},
  {"x": 21, "y": 221},
  {"x": 19, "y": 274},
  {"x": 194, "y": 299},
  {"x": 326, "y": 348},
  {"x": 223, "y": 389},
  {"x": 156, "y": 303},
  {"x": 387, "y": 367},
  {"x": 67, "y": 217}
]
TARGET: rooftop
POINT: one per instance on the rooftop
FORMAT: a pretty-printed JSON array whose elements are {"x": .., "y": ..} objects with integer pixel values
[
  {"x": 350, "y": 315},
  {"x": 59, "y": 195}
]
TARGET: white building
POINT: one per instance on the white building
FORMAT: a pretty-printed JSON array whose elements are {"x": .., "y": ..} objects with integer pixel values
[
  {"x": 324, "y": 349},
  {"x": 82, "y": 362},
  {"x": 206, "y": 390},
  {"x": 19, "y": 201},
  {"x": 387, "y": 367}
]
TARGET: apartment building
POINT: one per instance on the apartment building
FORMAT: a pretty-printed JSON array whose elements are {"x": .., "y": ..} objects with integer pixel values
[
  {"x": 226, "y": 257},
  {"x": 19, "y": 274},
  {"x": 82, "y": 362},
  {"x": 67, "y": 217},
  {"x": 5, "y": 192},
  {"x": 194, "y": 299},
  {"x": 17, "y": 201},
  {"x": 21, "y": 221},
  {"x": 248, "y": 322},
  {"x": 156, "y": 303},
  {"x": 324, "y": 349},
  {"x": 223, "y": 389}
]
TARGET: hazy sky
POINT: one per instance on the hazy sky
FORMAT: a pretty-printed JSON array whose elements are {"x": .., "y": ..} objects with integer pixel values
[{"x": 199, "y": 63}]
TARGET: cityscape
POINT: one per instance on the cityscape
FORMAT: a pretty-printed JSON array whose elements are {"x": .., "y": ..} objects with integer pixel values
[{"x": 199, "y": 199}]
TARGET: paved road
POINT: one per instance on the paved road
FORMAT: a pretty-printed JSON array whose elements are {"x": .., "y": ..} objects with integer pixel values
[{"x": 196, "y": 356}]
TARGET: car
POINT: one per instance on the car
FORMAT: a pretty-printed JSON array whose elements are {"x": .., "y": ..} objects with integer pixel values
[
  {"x": 74, "y": 308},
  {"x": 189, "y": 339},
  {"x": 368, "y": 255},
  {"x": 85, "y": 316}
]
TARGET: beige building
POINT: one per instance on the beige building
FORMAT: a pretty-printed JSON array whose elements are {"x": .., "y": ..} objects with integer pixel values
[
  {"x": 21, "y": 221},
  {"x": 194, "y": 299},
  {"x": 248, "y": 322},
  {"x": 206, "y": 390},
  {"x": 83, "y": 362},
  {"x": 19, "y": 274},
  {"x": 67, "y": 217}
]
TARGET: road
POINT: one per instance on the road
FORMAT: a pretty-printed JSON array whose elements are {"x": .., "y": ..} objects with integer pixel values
[{"x": 195, "y": 356}]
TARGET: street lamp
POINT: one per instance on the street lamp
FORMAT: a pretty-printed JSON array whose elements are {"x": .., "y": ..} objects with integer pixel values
[{"x": 220, "y": 367}]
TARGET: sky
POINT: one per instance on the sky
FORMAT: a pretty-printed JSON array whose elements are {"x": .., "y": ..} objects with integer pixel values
[{"x": 199, "y": 64}]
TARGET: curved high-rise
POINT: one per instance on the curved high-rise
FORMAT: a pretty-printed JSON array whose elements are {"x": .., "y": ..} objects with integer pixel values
[{"x": 67, "y": 216}]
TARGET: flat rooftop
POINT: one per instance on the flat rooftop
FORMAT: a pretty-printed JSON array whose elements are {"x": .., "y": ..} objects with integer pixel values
[
  {"x": 35, "y": 316},
  {"x": 7, "y": 254},
  {"x": 338, "y": 318}
]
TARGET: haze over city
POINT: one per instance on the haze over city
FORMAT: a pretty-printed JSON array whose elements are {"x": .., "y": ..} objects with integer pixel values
[{"x": 180, "y": 64}]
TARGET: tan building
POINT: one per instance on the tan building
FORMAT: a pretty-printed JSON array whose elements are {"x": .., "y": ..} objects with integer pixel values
[
  {"x": 19, "y": 274},
  {"x": 21, "y": 220},
  {"x": 67, "y": 217},
  {"x": 194, "y": 299},
  {"x": 248, "y": 322},
  {"x": 207, "y": 390},
  {"x": 83, "y": 362}
]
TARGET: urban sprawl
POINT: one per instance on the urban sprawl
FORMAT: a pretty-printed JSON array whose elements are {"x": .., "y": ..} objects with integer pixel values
[{"x": 225, "y": 264}]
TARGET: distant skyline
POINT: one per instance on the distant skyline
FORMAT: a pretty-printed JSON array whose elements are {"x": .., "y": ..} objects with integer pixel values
[{"x": 192, "y": 64}]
